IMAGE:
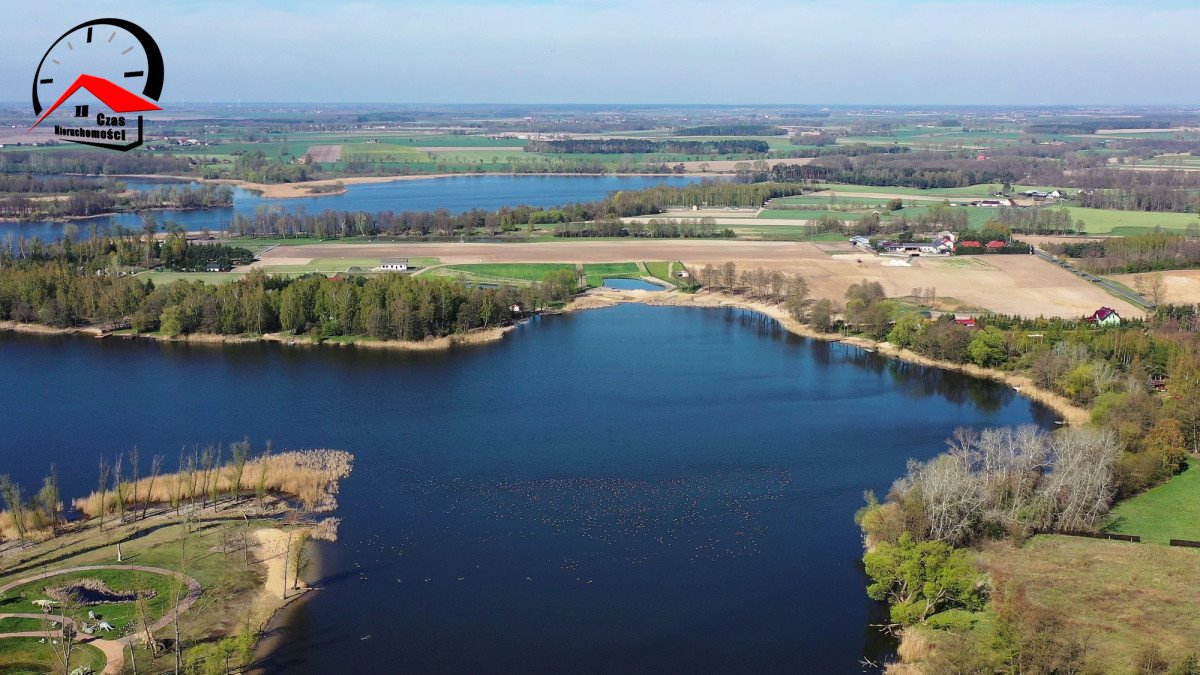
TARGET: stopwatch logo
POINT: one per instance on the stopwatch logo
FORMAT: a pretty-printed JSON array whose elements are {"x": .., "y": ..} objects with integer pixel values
[{"x": 95, "y": 56}]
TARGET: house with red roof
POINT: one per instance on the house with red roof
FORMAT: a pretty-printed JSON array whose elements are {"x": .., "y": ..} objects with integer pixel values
[
  {"x": 995, "y": 244},
  {"x": 1105, "y": 316}
]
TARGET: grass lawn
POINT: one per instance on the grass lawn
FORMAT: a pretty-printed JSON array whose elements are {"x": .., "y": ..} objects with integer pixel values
[
  {"x": 15, "y": 625},
  {"x": 518, "y": 271},
  {"x": 660, "y": 270},
  {"x": 27, "y": 655},
  {"x": 19, "y": 600},
  {"x": 1120, "y": 597},
  {"x": 1169, "y": 511}
]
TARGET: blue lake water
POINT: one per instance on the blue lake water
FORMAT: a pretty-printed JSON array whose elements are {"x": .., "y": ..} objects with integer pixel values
[
  {"x": 454, "y": 193},
  {"x": 631, "y": 285},
  {"x": 633, "y": 489}
]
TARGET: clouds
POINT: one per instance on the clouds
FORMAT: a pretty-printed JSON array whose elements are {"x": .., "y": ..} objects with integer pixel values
[{"x": 648, "y": 51}]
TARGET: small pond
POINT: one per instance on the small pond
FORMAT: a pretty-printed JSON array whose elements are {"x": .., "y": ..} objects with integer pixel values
[{"x": 620, "y": 284}]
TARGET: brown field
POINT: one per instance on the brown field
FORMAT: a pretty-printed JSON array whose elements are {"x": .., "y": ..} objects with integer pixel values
[
  {"x": 325, "y": 153},
  {"x": 1119, "y": 597},
  {"x": 890, "y": 195},
  {"x": 1011, "y": 284},
  {"x": 11, "y": 135},
  {"x": 1180, "y": 286}
]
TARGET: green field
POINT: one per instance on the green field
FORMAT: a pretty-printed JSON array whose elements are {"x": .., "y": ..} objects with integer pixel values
[
  {"x": 381, "y": 152},
  {"x": 1169, "y": 511},
  {"x": 27, "y": 655},
  {"x": 510, "y": 271},
  {"x": 1105, "y": 221},
  {"x": 829, "y": 201},
  {"x": 595, "y": 273},
  {"x": 804, "y": 214}
]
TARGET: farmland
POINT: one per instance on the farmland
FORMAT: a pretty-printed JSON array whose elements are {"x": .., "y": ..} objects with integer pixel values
[
  {"x": 1022, "y": 285},
  {"x": 1105, "y": 221},
  {"x": 1120, "y": 598}
]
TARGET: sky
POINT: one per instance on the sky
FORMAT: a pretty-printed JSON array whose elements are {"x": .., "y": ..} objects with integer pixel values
[{"x": 646, "y": 51}]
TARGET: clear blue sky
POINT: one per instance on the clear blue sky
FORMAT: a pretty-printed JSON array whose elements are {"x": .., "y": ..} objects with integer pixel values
[{"x": 646, "y": 51}]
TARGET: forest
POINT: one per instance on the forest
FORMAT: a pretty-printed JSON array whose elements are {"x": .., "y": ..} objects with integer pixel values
[
  {"x": 1140, "y": 253},
  {"x": 75, "y": 284},
  {"x": 385, "y": 307}
]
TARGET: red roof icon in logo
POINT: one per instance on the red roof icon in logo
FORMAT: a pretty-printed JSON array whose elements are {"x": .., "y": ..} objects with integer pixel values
[{"x": 118, "y": 99}]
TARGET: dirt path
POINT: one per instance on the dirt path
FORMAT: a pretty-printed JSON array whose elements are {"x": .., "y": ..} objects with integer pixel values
[{"x": 114, "y": 650}]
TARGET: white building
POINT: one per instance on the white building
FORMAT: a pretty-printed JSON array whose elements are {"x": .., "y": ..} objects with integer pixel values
[{"x": 394, "y": 264}]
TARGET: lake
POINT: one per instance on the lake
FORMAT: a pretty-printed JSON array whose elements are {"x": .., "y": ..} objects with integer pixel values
[
  {"x": 633, "y": 489},
  {"x": 454, "y": 193}
]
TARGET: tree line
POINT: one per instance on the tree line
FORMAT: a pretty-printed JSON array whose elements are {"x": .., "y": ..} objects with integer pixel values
[
  {"x": 641, "y": 146},
  {"x": 1138, "y": 253},
  {"x": 384, "y": 307},
  {"x": 112, "y": 198},
  {"x": 269, "y": 222},
  {"x": 732, "y": 130}
]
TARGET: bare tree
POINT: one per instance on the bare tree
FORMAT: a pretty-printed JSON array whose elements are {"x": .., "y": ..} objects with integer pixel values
[
  {"x": 11, "y": 492},
  {"x": 950, "y": 496},
  {"x": 135, "y": 460},
  {"x": 155, "y": 468},
  {"x": 1156, "y": 287},
  {"x": 240, "y": 453},
  {"x": 103, "y": 489},
  {"x": 1081, "y": 483},
  {"x": 118, "y": 490}
]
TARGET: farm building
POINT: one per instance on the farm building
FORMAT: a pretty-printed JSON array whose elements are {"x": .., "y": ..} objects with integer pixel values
[
  {"x": 995, "y": 243},
  {"x": 967, "y": 321},
  {"x": 970, "y": 244},
  {"x": 213, "y": 266},
  {"x": 393, "y": 264},
  {"x": 861, "y": 242},
  {"x": 937, "y": 247},
  {"x": 1105, "y": 316}
]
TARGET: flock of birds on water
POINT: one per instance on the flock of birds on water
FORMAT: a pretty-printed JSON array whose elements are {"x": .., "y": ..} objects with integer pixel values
[{"x": 579, "y": 527}]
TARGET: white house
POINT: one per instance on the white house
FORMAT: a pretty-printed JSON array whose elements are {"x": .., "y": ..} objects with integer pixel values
[{"x": 394, "y": 264}]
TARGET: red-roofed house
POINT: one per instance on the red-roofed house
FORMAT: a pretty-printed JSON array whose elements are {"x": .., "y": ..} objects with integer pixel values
[
  {"x": 969, "y": 323},
  {"x": 970, "y": 244},
  {"x": 1105, "y": 316},
  {"x": 996, "y": 244}
]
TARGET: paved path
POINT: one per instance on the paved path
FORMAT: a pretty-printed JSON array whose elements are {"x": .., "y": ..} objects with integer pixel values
[{"x": 114, "y": 650}]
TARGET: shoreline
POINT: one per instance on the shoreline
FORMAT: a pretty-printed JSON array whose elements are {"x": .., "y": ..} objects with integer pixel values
[
  {"x": 300, "y": 189},
  {"x": 478, "y": 336},
  {"x": 599, "y": 299},
  {"x": 1069, "y": 412}
]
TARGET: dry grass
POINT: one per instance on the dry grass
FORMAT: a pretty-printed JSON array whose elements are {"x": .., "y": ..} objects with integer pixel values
[
  {"x": 1122, "y": 598},
  {"x": 914, "y": 648},
  {"x": 310, "y": 476},
  {"x": 34, "y": 530}
]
